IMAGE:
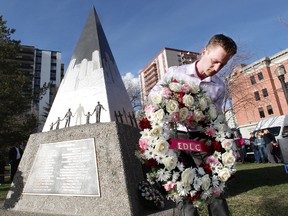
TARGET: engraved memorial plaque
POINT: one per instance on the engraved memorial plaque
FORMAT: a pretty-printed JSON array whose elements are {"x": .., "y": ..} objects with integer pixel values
[{"x": 64, "y": 168}]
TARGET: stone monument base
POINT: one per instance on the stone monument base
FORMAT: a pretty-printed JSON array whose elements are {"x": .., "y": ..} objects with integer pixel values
[{"x": 119, "y": 173}]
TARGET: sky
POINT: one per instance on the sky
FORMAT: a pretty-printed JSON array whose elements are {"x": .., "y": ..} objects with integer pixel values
[{"x": 137, "y": 30}]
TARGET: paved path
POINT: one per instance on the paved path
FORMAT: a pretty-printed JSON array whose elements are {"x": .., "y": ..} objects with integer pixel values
[{"x": 4, "y": 212}]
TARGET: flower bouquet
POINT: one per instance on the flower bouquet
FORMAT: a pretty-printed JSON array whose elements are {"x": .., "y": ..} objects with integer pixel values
[{"x": 185, "y": 105}]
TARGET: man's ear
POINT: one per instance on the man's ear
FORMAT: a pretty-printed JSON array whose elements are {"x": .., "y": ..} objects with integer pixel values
[{"x": 204, "y": 51}]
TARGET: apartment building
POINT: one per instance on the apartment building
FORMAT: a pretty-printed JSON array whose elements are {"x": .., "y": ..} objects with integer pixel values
[
  {"x": 44, "y": 67},
  {"x": 154, "y": 71},
  {"x": 257, "y": 92}
]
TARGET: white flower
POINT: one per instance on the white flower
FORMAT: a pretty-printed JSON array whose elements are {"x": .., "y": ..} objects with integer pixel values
[
  {"x": 197, "y": 183},
  {"x": 212, "y": 112},
  {"x": 187, "y": 176},
  {"x": 156, "y": 131},
  {"x": 161, "y": 146},
  {"x": 182, "y": 189},
  {"x": 188, "y": 100},
  {"x": 174, "y": 86},
  {"x": 151, "y": 177},
  {"x": 221, "y": 127},
  {"x": 163, "y": 175},
  {"x": 217, "y": 155},
  {"x": 145, "y": 133},
  {"x": 170, "y": 162},
  {"x": 215, "y": 181},
  {"x": 206, "y": 194},
  {"x": 183, "y": 113},
  {"x": 224, "y": 174},
  {"x": 194, "y": 88},
  {"x": 203, "y": 104},
  {"x": 206, "y": 181},
  {"x": 220, "y": 136},
  {"x": 228, "y": 159},
  {"x": 227, "y": 144},
  {"x": 180, "y": 166},
  {"x": 175, "y": 176},
  {"x": 159, "y": 157},
  {"x": 201, "y": 171},
  {"x": 149, "y": 153},
  {"x": 198, "y": 115},
  {"x": 156, "y": 99},
  {"x": 172, "y": 106},
  {"x": 159, "y": 115}
]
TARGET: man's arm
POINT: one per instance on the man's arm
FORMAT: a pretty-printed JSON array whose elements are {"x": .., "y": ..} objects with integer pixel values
[{"x": 163, "y": 81}]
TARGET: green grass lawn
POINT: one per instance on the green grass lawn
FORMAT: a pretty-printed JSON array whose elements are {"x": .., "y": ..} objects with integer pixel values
[{"x": 256, "y": 190}]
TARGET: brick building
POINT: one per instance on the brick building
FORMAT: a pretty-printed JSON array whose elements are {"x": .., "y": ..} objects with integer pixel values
[
  {"x": 257, "y": 92},
  {"x": 154, "y": 71}
]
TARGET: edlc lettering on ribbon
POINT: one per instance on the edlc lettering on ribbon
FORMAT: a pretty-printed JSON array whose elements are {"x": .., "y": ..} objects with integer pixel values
[{"x": 188, "y": 145}]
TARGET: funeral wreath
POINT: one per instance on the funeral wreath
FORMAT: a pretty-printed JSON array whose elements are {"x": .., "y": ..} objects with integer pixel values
[{"x": 162, "y": 153}]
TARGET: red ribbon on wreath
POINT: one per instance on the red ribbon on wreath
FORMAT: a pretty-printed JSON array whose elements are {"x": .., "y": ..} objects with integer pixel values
[{"x": 188, "y": 145}]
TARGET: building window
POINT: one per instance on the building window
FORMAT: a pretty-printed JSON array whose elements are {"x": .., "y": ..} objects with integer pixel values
[
  {"x": 257, "y": 96},
  {"x": 261, "y": 112},
  {"x": 252, "y": 79},
  {"x": 264, "y": 92},
  {"x": 260, "y": 76},
  {"x": 270, "y": 110}
]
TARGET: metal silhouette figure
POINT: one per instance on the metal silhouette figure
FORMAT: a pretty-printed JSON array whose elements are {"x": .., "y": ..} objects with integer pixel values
[
  {"x": 68, "y": 118},
  {"x": 88, "y": 117},
  {"x": 57, "y": 123},
  {"x": 98, "y": 109}
]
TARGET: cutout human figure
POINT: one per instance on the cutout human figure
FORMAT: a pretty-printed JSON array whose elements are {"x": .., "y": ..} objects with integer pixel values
[
  {"x": 98, "y": 111},
  {"x": 88, "y": 117},
  {"x": 57, "y": 123},
  {"x": 68, "y": 118},
  {"x": 51, "y": 126}
]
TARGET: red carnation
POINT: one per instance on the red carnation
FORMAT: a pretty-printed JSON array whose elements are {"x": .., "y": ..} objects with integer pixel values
[
  {"x": 216, "y": 146},
  {"x": 207, "y": 168},
  {"x": 194, "y": 198},
  {"x": 181, "y": 95},
  {"x": 144, "y": 124},
  {"x": 151, "y": 163}
]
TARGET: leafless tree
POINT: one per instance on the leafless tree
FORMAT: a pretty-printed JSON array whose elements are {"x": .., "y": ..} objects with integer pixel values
[{"x": 133, "y": 89}]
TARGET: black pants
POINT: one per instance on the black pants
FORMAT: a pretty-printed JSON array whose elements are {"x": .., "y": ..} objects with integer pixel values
[
  {"x": 14, "y": 166},
  {"x": 218, "y": 207}
]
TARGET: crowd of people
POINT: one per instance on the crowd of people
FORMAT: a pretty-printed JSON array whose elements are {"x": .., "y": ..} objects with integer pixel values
[{"x": 264, "y": 146}]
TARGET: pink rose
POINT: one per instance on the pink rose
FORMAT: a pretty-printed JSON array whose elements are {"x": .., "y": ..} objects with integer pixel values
[
  {"x": 189, "y": 119},
  {"x": 175, "y": 116},
  {"x": 143, "y": 144},
  {"x": 212, "y": 160},
  {"x": 169, "y": 186},
  {"x": 185, "y": 88},
  {"x": 165, "y": 92},
  {"x": 149, "y": 108},
  {"x": 210, "y": 131}
]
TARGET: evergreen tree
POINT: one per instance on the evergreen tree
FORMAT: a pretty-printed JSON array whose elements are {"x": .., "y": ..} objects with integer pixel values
[{"x": 16, "y": 120}]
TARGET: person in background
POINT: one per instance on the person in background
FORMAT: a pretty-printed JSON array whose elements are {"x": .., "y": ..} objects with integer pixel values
[
  {"x": 15, "y": 155},
  {"x": 254, "y": 147},
  {"x": 219, "y": 50},
  {"x": 240, "y": 143},
  {"x": 272, "y": 147},
  {"x": 261, "y": 146}
]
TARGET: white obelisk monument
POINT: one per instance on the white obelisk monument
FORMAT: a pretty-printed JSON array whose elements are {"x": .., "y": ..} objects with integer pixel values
[{"x": 92, "y": 76}]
